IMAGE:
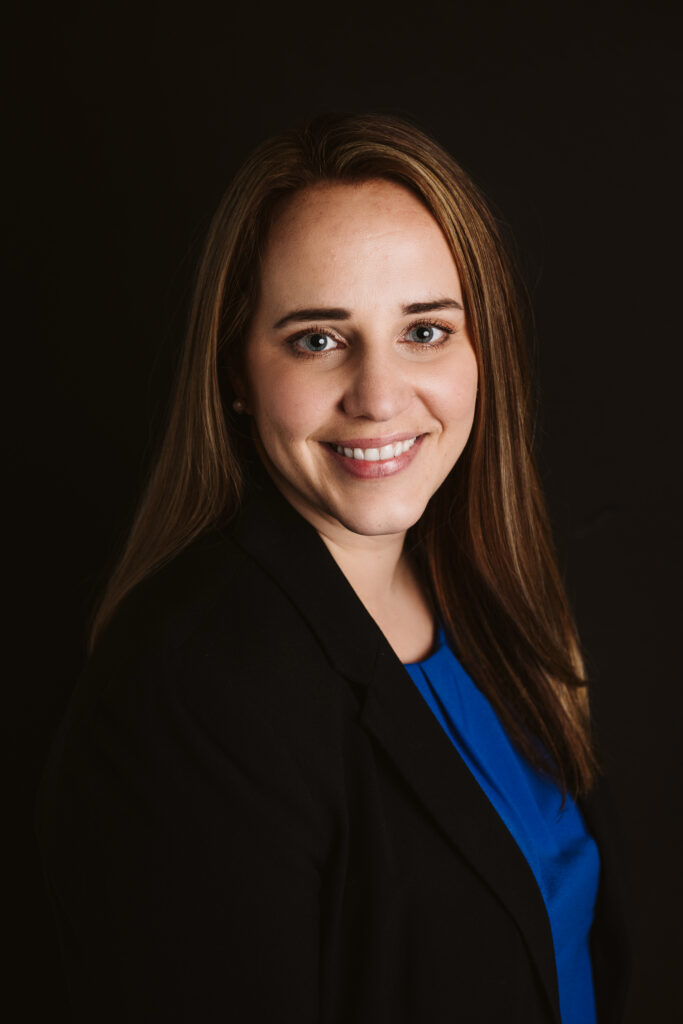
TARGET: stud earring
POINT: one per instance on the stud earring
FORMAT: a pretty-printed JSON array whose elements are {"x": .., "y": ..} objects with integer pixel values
[{"x": 238, "y": 405}]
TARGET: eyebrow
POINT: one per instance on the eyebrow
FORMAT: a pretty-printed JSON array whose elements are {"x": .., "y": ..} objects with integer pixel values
[{"x": 298, "y": 315}]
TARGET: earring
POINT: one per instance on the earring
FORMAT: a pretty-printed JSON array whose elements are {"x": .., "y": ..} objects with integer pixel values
[{"x": 238, "y": 405}]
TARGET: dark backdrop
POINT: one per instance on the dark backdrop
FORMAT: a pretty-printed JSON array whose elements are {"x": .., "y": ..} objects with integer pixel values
[{"x": 124, "y": 124}]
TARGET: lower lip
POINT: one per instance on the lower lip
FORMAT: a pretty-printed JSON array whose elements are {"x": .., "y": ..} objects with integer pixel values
[{"x": 364, "y": 470}]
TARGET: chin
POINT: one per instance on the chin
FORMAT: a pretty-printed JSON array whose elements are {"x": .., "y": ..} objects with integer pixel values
[{"x": 378, "y": 524}]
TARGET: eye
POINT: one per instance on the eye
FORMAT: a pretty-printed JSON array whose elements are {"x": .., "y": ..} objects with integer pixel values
[
  {"x": 314, "y": 341},
  {"x": 428, "y": 334}
]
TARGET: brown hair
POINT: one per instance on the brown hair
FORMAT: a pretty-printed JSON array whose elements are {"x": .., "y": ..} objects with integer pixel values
[{"x": 484, "y": 539}]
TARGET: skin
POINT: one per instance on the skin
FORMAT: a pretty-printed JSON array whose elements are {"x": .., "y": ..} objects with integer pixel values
[{"x": 369, "y": 249}]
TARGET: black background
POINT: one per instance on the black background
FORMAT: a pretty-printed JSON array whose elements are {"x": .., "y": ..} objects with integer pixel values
[{"x": 123, "y": 125}]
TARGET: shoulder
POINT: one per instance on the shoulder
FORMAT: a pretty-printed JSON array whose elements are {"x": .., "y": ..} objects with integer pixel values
[
  {"x": 211, "y": 636},
  {"x": 212, "y": 599},
  {"x": 162, "y": 611},
  {"x": 208, "y": 710},
  {"x": 208, "y": 680}
]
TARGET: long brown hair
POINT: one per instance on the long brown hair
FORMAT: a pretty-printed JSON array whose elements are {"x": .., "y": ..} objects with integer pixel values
[{"x": 484, "y": 540}]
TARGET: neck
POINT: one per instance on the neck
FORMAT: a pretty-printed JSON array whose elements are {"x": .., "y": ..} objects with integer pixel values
[
  {"x": 376, "y": 567},
  {"x": 387, "y": 583}
]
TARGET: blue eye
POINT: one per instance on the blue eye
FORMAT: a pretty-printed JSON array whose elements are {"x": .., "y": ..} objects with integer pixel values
[
  {"x": 315, "y": 341},
  {"x": 424, "y": 333}
]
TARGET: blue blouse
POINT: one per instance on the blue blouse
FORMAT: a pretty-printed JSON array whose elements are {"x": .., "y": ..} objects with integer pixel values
[{"x": 561, "y": 853}]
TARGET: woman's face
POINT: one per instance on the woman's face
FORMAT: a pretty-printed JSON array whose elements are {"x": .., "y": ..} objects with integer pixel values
[{"x": 360, "y": 375}]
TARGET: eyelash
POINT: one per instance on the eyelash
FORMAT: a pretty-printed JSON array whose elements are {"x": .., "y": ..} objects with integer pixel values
[{"x": 300, "y": 353}]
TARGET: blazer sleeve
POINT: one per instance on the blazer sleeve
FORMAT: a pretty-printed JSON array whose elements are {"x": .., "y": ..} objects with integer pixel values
[{"x": 183, "y": 857}]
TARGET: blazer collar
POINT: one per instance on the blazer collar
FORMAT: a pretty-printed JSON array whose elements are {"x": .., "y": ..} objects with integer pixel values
[{"x": 394, "y": 713}]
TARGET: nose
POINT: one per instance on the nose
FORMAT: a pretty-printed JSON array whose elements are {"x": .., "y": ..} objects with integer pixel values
[{"x": 377, "y": 387}]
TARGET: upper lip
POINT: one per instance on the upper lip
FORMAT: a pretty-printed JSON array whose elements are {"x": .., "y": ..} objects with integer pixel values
[{"x": 374, "y": 442}]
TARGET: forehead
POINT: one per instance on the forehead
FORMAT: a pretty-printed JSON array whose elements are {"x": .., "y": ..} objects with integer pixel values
[{"x": 355, "y": 236}]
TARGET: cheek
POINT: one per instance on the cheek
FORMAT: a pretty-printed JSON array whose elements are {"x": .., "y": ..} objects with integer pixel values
[
  {"x": 287, "y": 409},
  {"x": 455, "y": 395}
]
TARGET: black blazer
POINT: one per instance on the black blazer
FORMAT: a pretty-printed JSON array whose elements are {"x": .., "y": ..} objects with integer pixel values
[{"x": 249, "y": 813}]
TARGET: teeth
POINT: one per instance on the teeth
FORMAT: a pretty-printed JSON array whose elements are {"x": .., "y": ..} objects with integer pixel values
[{"x": 387, "y": 451}]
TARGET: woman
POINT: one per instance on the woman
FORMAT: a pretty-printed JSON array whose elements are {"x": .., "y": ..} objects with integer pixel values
[{"x": 330, "y": 758}]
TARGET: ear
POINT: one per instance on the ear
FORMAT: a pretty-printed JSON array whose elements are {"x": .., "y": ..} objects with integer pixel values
[{"x": 238, "y": 386}]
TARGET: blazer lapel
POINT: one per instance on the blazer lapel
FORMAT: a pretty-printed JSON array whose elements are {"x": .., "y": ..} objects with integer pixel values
[{"x": 395, "y": 714}]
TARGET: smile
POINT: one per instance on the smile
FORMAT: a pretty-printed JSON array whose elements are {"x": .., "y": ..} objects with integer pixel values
[
  {"x": 387, "y": 451},
  {"x": 374, "y": 461}
]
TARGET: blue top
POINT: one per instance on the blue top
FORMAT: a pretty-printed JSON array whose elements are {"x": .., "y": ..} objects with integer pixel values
[{"x": 561, "y": 853}]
